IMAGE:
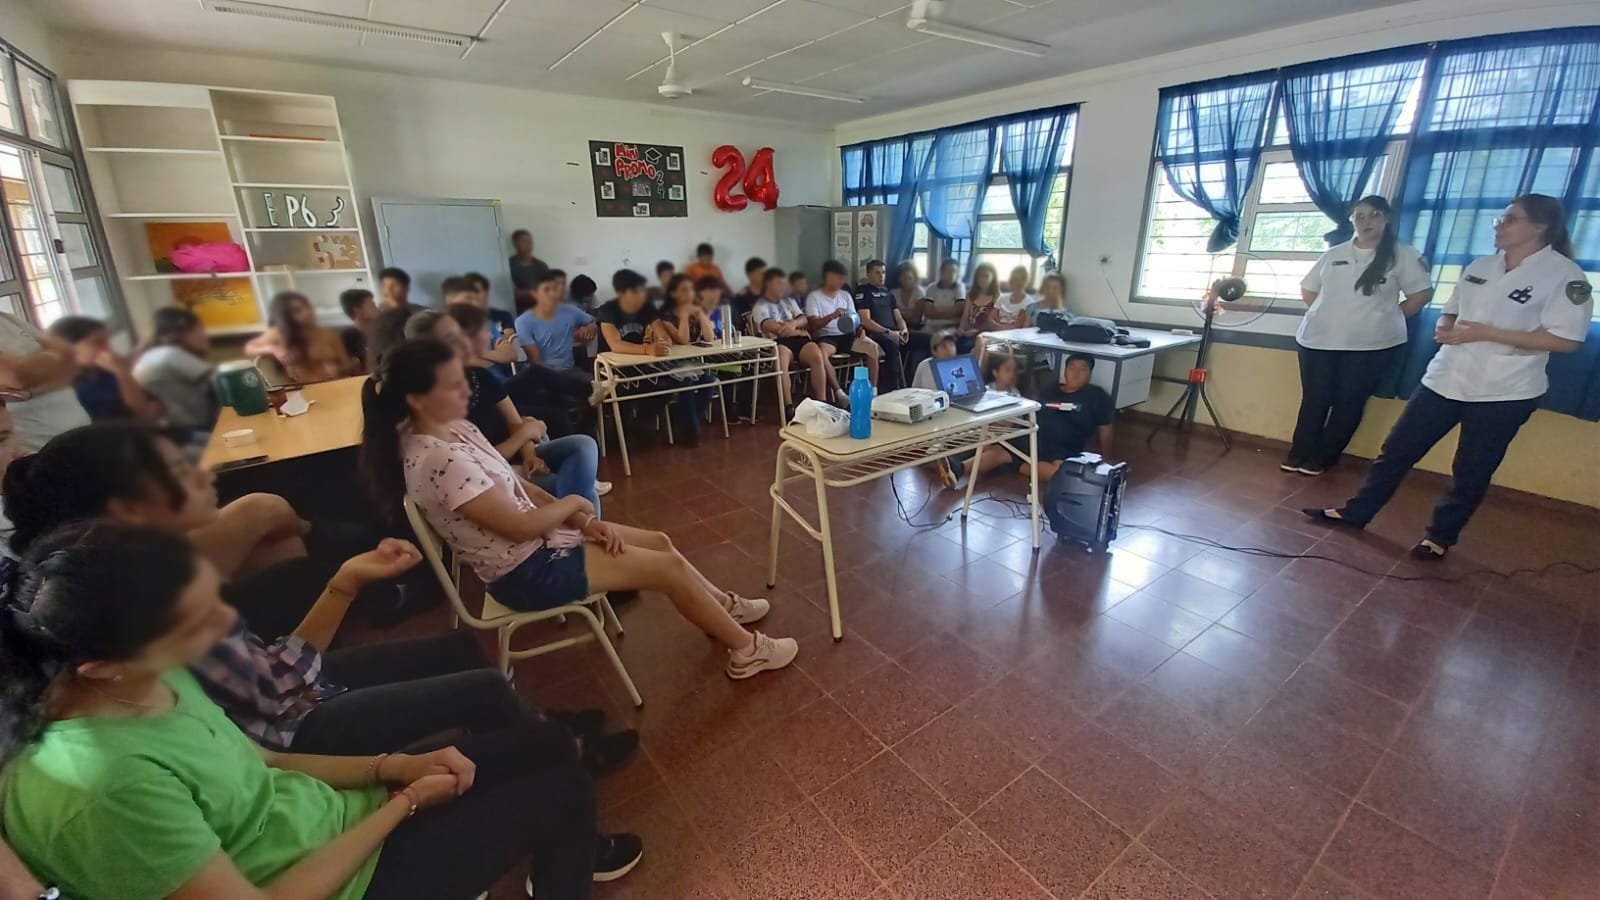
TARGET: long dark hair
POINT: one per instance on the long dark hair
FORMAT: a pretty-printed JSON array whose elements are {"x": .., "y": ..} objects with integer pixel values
[
  {"x": 75, "y": 602},
  {"x": 79, "y": 472},
  {"x": 1545, "y": 210},
  {"x": 673, "y": 283},
  {"x": 388, "y": 330},
  {"x": 1383, "y": 257},
  {"x": 296, "y": 337},
  {"x": 409, "y": 368}
]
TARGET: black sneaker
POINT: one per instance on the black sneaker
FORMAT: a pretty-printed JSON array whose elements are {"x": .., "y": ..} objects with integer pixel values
[
  {"x": 604, "y": 752},
  {"x": 1288, "y": 465},
  {"x": 581, "y": 722},
  {"x": 615, "y": 855},
  {"x": 1311, "y": 469}
]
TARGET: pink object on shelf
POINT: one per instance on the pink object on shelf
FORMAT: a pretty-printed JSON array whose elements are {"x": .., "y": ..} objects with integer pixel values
[{"x": 215, "y": 256}]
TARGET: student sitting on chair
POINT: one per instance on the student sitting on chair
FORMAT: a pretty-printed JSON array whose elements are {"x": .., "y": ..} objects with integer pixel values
[
  {"x": 704, "y": 263},
  {"x": 882, "y": 323},
  {"x": 105, "y": 383},
  {"x": 307, "y": 351},
  {"x": 174, "y": 369},
  {"x": 532, "y": 550},
  {"x": 778, "y": 317},
  {"x": 362, "y": 311},
  {"x": 565, "y": 465},
  {"x": 946, "y": 297},
  {"x": 394, "y": 288},
  {"x": 755, "y": 277},
  {"x": 913, "y": 304},
  {"x": 658, "y": 292},
  {"x": 943, "y": 347},
  {"x": 978, "y": 310},
  {"x": 549, "y": 329},
  {"x": 799, "y": 290},
  {"x": 1000, "y": 374},
  {"x": 826, "y": 306},
  {"x": 131, "y": 782},
  {"x": 1075, "y": 414},
  {"x": 1052, "y": 294},
  {"x": 501, "y": 351},
  {"x": 630, "y": 325},
  {"x": 686, "y": 320}
]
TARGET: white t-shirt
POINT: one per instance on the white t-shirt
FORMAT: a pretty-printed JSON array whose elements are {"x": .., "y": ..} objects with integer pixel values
[
  {"x": 1343, "y": 317},
  {"x": 944, "y": 296},
  {"x": 182, "y": 382},
  {"x": 1546, "y": 291},
  {"x": 47, "y": 413},
  {"x": 819, "y": 303},
  {"x": 783, "y": 309},
  {"x": 1009, "y": 310}
]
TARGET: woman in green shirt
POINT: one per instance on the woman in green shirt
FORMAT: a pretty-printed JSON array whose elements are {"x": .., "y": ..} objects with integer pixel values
[{"x": 125, "y": 781}]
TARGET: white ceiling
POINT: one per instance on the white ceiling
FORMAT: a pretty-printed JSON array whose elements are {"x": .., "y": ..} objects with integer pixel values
[{"x": 613, "y": 48}]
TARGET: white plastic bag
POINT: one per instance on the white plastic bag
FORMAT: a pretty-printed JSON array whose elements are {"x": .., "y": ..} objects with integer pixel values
[{"x": 821, "y": 419}]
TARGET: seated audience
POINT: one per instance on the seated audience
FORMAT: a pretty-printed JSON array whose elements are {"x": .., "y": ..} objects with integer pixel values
[
  {"x": 709, "y": 295},
  {"x": 799, "y": 290},
  {"x": 825, "y": 306},
  {"x": 500, "y": 349},
  {"x": 913, "y": 303},
  {"x": 362, "y": 311},
  {"x": 500, "y": 320},
  {"x": 40, "y": 365},
  {"x": 1052, "y": 293},
  {"x": 779, "y": 317},
  {"x": 131, "y": 782},
  {"x": 549, "y": 328},
  {"x": 1012, "y": 308},
  {"x": 291, "y": 692},
  {"x": 525, "y": 268},
  {"x": 533, "y": 550},
  {"x": 394, "y": 288},
  {"x": 657, "y": 294},
  {"x": 883, "y": 324},
  {"x": 946, "y": 297},
  {"x": 704, "y": 263},
  {"x": 754, "y": 289},
  {"x": 978, "y": 310},
  {"x": 388, "y": 329},
  {"x": 307, "y": 351},
  {"x": 174, "y": 369},
  {"x": 583, "y": 296},
  {"x": 105, "y": 384},
  {"x": 943, "y": 347},
  {"x": 567, "y": 465},
  {"x": 685, "y": 317}
]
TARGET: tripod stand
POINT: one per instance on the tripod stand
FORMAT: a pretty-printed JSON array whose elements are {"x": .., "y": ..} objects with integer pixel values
[{"x": 1194, "y": 392}]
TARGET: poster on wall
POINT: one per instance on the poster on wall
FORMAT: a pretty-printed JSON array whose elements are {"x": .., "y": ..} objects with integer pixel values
[
  {"x": 219, "y": 302},
  {"x": 640, "y": 181}
]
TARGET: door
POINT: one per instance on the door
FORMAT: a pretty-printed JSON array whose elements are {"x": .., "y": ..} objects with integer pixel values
[{"x": 433, "y": 239}]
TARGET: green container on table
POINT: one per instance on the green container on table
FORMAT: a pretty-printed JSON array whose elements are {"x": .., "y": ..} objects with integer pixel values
[{"x": 240, "y": 386}]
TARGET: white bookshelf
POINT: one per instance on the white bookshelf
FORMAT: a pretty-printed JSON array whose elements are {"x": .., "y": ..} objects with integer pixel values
[{"x": 187, "y": 154}]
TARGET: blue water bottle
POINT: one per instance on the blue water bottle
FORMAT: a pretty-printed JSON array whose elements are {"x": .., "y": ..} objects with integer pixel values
[{"x": 861, "y": 405}]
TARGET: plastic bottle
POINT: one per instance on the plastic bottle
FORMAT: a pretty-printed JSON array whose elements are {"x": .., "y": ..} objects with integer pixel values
[{"x": 861, "y": 405}]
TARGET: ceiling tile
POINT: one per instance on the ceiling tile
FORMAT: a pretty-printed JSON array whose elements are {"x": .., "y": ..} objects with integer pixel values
[
  {"x": 878, "y": 36},
  {"x": 555, "y": 15},
  {"x": 648, "y": 21},
  {"x": 798, "y": 21},
  {"x": 355, "y": 8},
  {"x": 868, "y": 7},
  {"x": 724, "y": 10},
  {"x": 424, "y": 14}
]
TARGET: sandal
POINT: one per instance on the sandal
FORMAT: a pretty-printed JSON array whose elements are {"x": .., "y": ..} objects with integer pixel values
[{"x": 1429, "y": 549}]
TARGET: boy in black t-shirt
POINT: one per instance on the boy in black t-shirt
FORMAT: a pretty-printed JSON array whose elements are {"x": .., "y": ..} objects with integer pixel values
[
  {"x": 629, "y": 324},
  {"x": 1075, "y": 412},
  {"x": 755, "y": 274}
]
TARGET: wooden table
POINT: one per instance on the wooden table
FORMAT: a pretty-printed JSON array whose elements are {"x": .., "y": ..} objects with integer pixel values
[
  {"x": 615, "y": 372},
  {"x": 1118, "y": 356},
  {"x": 332, "y": 423},
  {"x": 892, "y": 447}
]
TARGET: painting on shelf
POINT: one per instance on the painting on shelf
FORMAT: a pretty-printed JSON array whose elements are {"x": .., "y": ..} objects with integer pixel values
[{"x": 219, "y": 302}]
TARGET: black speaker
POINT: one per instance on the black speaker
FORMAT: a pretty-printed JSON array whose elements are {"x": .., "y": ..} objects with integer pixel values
[{"x": 1083, "y": 500}]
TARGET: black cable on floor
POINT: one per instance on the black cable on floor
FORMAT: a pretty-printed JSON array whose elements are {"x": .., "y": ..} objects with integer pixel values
[{"x": 907, "y": 517}]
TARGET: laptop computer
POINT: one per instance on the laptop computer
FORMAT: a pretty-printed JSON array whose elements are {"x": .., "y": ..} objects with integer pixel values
[{"x": 960, "y": 377}]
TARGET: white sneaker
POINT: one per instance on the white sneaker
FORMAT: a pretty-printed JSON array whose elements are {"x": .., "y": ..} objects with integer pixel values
[
  {"x": 769, "y": 653},
  {"x": 841, "y": 399},
  {"x": 602, "y": 488},
  {"x": 745, "y": 610}
]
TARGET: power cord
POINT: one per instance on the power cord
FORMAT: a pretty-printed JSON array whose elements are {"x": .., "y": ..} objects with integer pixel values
[{"x": 907, "y": 517}]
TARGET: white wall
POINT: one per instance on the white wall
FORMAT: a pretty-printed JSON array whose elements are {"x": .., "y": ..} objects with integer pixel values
[
  {"x": 22, "y": 28},
  {"x": 1116, "y": 126},
  {"x": 423, "y": 137}
]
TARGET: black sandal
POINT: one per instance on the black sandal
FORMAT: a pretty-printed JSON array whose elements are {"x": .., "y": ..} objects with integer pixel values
[
  {"x": 1321, "y": 515},
  {"x": 1429, "y": 549}
]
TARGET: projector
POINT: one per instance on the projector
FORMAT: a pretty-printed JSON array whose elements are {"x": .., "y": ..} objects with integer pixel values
[{"x": 910, "y": 405}]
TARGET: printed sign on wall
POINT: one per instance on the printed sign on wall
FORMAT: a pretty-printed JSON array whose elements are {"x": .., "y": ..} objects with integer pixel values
[{"x": 641, "y": 181}]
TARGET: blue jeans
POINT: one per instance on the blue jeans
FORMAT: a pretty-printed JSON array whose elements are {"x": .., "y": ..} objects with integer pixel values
[{"x": 573, "y": 460}]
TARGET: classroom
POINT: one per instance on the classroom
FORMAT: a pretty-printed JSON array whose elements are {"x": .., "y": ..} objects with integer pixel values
[{"x": 489, "y": 449}]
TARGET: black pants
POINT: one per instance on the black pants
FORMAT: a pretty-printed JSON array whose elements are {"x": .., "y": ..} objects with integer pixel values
[
  {"x": 405, "y": 692},
  {"x": 530, "y": 800},
  {"x": 918, "y": 348},
  {"x": 1486, "y": 432},
  {"x": 1334, "y": 388},
  {"x": 891, "y": 371}
]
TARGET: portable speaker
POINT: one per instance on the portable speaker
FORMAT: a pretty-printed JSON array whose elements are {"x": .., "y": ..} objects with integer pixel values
[{"x": 1083, "y": 500}]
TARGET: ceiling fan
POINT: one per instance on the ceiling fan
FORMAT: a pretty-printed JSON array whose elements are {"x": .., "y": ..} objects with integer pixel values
[{"x": 670, "y": 87}]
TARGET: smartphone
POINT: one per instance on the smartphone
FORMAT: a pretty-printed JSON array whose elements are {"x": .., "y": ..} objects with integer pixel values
[
  {"x": 704, "y": 344},
  {"x": 239, "y": 463}
]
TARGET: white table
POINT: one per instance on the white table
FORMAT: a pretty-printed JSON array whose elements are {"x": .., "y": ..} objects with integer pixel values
[
  {"x": 846, "y": 462},
  {"x": 757, "y": 357},
  {"x": 1118, "y": 356}
]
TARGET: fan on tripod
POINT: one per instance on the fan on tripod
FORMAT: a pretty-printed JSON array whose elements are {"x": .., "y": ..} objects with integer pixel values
[{"x": 1228, "y": 303}]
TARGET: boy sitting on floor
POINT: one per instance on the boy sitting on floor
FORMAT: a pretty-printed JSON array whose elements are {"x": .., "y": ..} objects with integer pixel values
[
  {"x": 1074, "y": 413},
  {"x": 944, "y": 347}
]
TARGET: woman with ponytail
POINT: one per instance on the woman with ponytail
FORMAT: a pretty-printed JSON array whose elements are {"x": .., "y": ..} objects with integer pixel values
[
  {"x": 534, "y": 551},
  {"x": 124, "y": 780},
  {"x": 1360, "y": 294},
  {"x": 1508, "y": 313}
]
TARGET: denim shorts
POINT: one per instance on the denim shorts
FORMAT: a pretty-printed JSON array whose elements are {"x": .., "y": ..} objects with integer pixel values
[{"x": 548, "y": 578}]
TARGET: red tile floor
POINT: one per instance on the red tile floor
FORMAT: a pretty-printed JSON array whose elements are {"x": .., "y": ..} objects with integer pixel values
[{"x": 1165, "y": 721}]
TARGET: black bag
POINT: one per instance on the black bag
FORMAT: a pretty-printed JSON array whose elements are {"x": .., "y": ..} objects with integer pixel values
[
  {"x": 1078, "y": 329},
  {"x": 1083, "y": 500}
]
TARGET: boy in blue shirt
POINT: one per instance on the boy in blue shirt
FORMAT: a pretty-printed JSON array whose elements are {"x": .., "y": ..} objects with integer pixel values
[{"x": 548, "y": 329}]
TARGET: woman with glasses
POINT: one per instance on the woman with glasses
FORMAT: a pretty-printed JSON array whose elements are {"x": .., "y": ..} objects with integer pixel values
[
  {"x": 1508, "y": 313},
  {"x": 1360, "y": 294}
]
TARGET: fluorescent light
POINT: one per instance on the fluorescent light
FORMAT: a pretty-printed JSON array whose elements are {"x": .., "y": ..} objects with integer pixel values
[
  {"x": 342, "y": 23},
  {"x": 801, "y": 90},
  {"x": 977, "y": 36}
]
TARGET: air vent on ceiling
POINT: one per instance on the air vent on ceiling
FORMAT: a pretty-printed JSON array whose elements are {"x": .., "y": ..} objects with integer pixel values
[{"x": 342, "y": 23}]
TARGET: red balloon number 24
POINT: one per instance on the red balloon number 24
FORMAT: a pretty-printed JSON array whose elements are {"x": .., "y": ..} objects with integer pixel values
[{"x": 760, "y": 184}]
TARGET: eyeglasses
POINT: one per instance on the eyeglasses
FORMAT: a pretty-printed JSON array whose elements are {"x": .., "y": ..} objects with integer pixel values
[{"x": 1508, "y": 220}]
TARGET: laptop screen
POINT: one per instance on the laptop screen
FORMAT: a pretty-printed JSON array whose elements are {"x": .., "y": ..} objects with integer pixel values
[{"x": 958, "y": 376}]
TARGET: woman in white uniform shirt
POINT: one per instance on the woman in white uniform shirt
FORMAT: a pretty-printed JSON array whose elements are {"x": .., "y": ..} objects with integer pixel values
[
  {"x": 1355, "y": 328},
  {"x": 1509, "y": 312}
]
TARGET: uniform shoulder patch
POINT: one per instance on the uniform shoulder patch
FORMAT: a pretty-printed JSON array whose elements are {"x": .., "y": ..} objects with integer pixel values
[
  {"x": 1473, "y": 279},
  {"x": 1579, "y": 292}
]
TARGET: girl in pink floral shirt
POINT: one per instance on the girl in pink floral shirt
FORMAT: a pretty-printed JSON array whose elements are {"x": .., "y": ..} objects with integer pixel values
[{"x": 532, "y": 550}]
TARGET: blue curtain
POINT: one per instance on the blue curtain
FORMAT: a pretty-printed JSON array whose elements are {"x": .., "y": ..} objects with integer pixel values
[
  {"x": 916, "y": 158},
  {"x": 889, "y": 171},
  {"x": 957, "y": 180},
  {"x": 1209, "y": 138},
  {"x": 1031, "y": 151},
  {"x": 1341, "y": 115},
  {"x": 1502, "y": 116}
]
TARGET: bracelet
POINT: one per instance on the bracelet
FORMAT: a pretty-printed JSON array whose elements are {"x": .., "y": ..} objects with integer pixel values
[
  {"x": 374, "y": 766},
  {"x": 587, "y": 523},
  {"x": 411, "y": 799}
]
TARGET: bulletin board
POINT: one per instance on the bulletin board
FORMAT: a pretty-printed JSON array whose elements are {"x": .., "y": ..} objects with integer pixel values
[{"x": 638, "y": 181}]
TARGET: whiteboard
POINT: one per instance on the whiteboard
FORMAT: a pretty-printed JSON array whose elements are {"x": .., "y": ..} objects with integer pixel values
[{"x": 434, "y": 238}]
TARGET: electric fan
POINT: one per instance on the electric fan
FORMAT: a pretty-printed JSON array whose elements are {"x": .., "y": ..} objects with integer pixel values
[{"x": 1228, "y": 303}]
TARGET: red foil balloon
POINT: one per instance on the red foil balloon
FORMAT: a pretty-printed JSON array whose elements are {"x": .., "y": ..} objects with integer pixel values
[{"x": 728, "y": 156}]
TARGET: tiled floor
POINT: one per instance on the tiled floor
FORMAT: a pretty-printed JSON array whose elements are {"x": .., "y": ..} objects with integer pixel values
[{"x": 1168, "y": 721}]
